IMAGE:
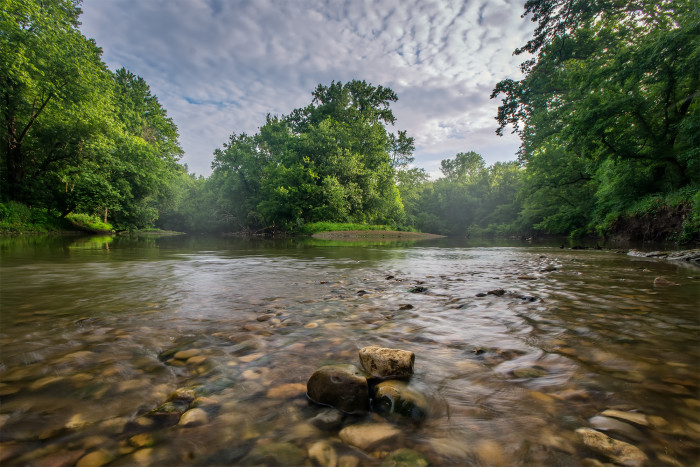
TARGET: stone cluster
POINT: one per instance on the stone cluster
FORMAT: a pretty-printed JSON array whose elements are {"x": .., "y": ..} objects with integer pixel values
[{"x": 380, "y": 386}]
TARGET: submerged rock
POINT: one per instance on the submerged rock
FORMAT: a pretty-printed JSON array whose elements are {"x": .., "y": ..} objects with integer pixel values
[
  {"x": 274, "y": 454},
  {"x": 396, "y": 398},
  {"x": 327, "y": 419},
  {"x": 324, "y": 454},
  {"x": 634, "y": 417},
  {"x": 368, "y": 435},
  {"x": 194, "y": 417},
  {"x": 384, "y": 363},
  {"x": 341, "y": 386},
  {"x": 405, "y": 458},
  {"x": 618, "y": 451},
  {"x": 611, "y": 425}
]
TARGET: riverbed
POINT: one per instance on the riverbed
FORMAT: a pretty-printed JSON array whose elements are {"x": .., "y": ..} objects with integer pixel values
[{"x": 107, "y": 343}]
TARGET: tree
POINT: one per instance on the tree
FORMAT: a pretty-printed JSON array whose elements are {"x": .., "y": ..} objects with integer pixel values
[
  {"x": 55, "y": 95},
  {"x": 328, "y": 161},
  {"x": 614, "y": 89}
]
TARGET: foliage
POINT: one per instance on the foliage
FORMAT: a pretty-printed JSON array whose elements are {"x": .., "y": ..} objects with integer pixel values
[
  {"x": 18, "y": 218},
  {"x": 333, "y": 160},
  {"x": 470, "y": 198},
  {"x": 608, "y": 110},
  {"x": 75, "y": 136}
]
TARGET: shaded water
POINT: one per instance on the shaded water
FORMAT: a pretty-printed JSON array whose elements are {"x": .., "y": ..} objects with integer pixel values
[{"x": 90, "y": 330}]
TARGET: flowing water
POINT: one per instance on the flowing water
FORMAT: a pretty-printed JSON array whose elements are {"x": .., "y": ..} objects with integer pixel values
[{"x": 105, "y": 342}]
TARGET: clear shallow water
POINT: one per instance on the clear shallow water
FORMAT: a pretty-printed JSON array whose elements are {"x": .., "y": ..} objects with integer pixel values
[{"x": 88, "y": 330}]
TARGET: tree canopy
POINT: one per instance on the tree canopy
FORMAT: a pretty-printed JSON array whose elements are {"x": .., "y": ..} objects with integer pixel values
[
  {"x": 608, "y": 107},
  {"x": 75, "y": 136}
]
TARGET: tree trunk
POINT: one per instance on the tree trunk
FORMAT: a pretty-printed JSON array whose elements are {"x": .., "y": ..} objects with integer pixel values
[
  {"x": 105, "y": 221},
  {"x": 15, "y": 170}
]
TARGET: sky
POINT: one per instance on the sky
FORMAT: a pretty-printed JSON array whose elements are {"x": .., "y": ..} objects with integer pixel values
[{"x": 220, "y": 66}]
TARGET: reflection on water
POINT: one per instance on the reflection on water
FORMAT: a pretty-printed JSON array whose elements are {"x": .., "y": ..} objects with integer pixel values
[{"x": 104, "y": 343}]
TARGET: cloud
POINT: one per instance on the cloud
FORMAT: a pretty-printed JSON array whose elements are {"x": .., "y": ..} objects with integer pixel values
[{"x": 219, "y": 67}]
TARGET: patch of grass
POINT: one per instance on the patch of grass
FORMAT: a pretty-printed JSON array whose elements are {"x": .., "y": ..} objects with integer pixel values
[
  {"x": 316, "y": 227},
  {"x": 89, "y": 223}
]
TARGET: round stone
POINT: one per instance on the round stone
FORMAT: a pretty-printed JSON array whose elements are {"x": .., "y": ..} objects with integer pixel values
[{"x": 341, "y": 386}]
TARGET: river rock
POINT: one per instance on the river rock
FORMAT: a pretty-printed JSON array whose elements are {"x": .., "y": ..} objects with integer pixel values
[
  {"x": 405, "y": 458},
  {"x": 384, "y": 363},
  {"x": 274, "y": 454},
  {"x": 327, "y": 419},
  {"x": 341, "y": 386},
  {"x": 95, "y": 459},
  {"x": 324, "y": 454},
  {"x": 397, "y": 398},
  {"x": 619, "y": 451},
  {"x": 634, "y": 417},
  {"x": 368, "y": 435},
  {"x": 169, "y": 413},
  {"x": 611, "y": 425},
  {"x": 663, "y": 282},
  {"x": 194, "y": 417}
]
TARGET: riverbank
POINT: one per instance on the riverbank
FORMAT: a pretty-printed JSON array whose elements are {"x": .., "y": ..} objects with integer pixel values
[{"x": 374, "y": 234}]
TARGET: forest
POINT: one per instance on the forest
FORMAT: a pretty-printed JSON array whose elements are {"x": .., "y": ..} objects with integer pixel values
[{"x": 607, "y": 111}]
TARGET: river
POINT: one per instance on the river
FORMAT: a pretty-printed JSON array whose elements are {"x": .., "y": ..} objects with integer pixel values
[{"x": 105, "y": 342}]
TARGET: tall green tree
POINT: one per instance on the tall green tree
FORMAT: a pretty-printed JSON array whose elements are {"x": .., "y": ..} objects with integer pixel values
[
  {"x": 333, "y": 160},
  {"x": 609, "y": 102},
  {"x": 55, "y": 95}
]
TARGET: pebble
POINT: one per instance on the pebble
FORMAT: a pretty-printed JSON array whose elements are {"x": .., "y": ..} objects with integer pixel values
[
  {"x": 368, "y": 435},
  {"x": 185, "y": 354},
  {"x": 196, "y": 360},
  {"x": 185, "y": 394},
  {"x": 618, "y": 451},
  {"x": 193, "y": 417},
  {"x": 250, "y": 357},
  {"x": 634, "y": 417},
  {"x": 143, "y": 456},
  {"x": 614, "y": 426},
  {"x": 324, "y": 454},
  {"x": 43, "y": 382},
  {"x": 95, "y": 459},
  {"x": 142, "y": 440},
  {"x": 663, "y": 282},
  {"x": 490, "y": 453},
  {"x": 405, "y": 458},
  {"x": 327, "y": 419}
]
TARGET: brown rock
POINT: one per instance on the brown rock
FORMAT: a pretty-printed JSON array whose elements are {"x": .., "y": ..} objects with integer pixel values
[
  {"x": 341, "y": 386},
  {"x": 620, "y": 452},
  {"x": 383, "y": 362},
  {"x": 368, "y": 435}
]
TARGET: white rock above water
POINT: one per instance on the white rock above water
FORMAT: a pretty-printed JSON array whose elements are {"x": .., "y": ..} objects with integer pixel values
[{"x": 383, "y": 362}]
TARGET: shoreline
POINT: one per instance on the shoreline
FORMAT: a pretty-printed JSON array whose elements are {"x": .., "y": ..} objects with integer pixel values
[{"x": 374, "y": 234}]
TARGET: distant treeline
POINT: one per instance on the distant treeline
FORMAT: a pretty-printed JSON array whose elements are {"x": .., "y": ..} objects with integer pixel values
[{"x": 607, "y": 112}]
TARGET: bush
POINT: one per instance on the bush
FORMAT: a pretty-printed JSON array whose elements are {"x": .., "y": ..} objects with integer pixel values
[{"x": 16, "y": 218}]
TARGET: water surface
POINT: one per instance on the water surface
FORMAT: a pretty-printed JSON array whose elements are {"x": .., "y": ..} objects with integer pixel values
[{"x": 89, "y": 330}]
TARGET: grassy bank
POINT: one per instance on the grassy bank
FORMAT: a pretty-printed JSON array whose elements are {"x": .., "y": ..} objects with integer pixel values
[
  {"x": 17, "y": 218},
  {"x": 318, "y": 227}
]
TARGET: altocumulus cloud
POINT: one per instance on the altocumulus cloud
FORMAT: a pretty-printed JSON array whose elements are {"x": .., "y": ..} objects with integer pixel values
[{"x": 220, "y": 66}]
